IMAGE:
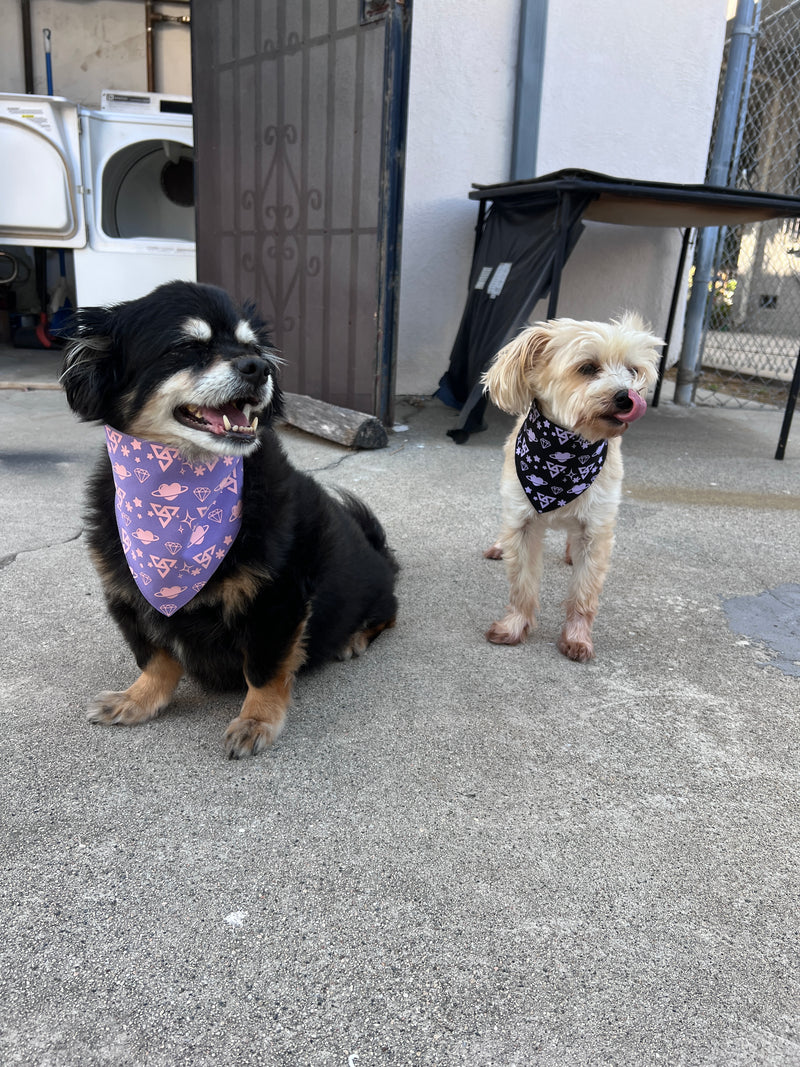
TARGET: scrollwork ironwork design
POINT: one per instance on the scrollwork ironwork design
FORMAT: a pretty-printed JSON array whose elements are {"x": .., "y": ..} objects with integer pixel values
[{"x": 282, "y": 207}]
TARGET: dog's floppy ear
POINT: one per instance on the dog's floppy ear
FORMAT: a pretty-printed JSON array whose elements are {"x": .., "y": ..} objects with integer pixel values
[
  {"x": 91, "y": 364},
  {"x": 508, "y": 379}
]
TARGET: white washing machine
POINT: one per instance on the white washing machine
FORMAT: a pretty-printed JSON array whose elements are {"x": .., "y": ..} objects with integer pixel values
[{"x": 114, "y": 184}]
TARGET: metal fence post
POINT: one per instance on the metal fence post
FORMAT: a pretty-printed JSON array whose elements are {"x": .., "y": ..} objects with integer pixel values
[{"x": 718, "y": 174}]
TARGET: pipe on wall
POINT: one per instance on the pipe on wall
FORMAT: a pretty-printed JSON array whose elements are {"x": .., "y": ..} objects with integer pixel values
[
  {"x": 528, "y": 92},
  {"x": 27, "y": 43},
  {"x": 720, "y": 172},
  {"x": 153, "y": 18}
]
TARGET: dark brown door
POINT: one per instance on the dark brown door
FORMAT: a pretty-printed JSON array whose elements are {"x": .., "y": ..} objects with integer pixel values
[{"x": 299, "y": 131}]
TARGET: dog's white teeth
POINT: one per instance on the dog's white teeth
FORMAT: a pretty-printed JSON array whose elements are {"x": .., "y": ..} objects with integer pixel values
[
  {"x": 246, "y": 411},
  {"x": 254, "y": 424},
  {"x": 226, "y": 422}
]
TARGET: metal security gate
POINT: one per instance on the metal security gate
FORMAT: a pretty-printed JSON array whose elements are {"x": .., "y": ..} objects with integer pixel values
[{"x": 299, "y": 134}]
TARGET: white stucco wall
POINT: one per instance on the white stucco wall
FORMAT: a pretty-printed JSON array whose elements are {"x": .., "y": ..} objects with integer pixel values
[
  {"x": 94, "y": 46},
  {"x": 628, "y": 89},
  {"x": 629, "y": 86},
  {"x": 460, "y": 115}
]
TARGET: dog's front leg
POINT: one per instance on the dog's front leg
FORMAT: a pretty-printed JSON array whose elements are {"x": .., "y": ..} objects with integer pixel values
[
  {"x": 149, "y": 694},
  {"x": 269, "y": 691},
  {"x": 521, "y": 548},
  {"x": 152, "y": 690},
  {"x": 591, "y": 556}
]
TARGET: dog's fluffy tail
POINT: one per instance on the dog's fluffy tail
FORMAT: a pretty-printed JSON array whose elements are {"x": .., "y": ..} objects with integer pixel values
[{"x": 368, "y": 521}]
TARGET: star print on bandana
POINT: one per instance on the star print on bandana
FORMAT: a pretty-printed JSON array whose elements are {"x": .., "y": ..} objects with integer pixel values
[
  {"x": 554, "y": 465},
  {"x": 186, "y": 516}
]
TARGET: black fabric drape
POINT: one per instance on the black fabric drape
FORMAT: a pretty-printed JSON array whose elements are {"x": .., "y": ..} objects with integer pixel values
[{"x": 511, "y": 270}]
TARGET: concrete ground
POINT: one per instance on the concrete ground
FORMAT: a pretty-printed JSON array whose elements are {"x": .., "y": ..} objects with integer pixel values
[{"x": 455, "y": 853}]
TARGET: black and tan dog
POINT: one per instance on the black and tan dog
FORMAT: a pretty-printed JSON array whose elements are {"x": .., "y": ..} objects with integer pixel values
[{"x": 236, "y": 568}]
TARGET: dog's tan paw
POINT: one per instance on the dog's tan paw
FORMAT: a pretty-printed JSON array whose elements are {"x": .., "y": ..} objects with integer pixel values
[
  {"x": 356, "y": 646},
  {"x": 118, "y": 709},
  {"x": 506, "y": 633},
  {"x": 575, "y": 641},
  {"x": 576, "y": 649},
  {"x": 494, "y": 551},
  {"x": 248, "y": 737}
]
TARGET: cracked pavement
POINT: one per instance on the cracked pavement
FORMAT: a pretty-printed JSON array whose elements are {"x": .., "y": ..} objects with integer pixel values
[{"x": 455, "y": 853}]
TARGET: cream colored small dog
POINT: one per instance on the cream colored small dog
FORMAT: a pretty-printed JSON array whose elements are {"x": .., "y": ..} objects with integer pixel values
[{"x": 577, "y": 386}]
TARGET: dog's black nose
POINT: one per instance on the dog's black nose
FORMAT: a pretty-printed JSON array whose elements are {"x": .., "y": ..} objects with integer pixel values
[
  {"x": 252, "y": 369},
  {"x": 623, "y": 401}
]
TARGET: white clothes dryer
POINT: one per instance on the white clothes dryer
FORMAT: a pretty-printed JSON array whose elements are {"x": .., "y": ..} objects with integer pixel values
[
  {"x": 41, "y": 188},
  {"x": 124, "y": 202},
  {"x": 138, "y": 168}
]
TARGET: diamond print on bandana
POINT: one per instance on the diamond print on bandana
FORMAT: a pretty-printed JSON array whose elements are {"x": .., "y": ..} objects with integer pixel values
[{"x": 554, "y": 465}]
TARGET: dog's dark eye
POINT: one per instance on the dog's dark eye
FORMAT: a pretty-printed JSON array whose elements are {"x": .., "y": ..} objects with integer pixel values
[{"x": 589, "y": 369}]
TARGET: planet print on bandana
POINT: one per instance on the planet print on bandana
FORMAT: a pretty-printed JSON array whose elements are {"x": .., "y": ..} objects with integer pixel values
[
  {"x": 176, "y": 519},
  {"x": 554, "y": 465}
]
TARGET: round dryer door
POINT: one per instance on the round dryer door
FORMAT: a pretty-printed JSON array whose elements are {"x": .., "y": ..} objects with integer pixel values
[{"x": 148, "y": 191}]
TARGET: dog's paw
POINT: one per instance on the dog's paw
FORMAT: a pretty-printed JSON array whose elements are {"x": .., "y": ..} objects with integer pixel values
[
  {"x": 509, "y": 631},
  {"x": 580, "y": 650},
  {"x": 248, "y": 737},
  {"x": 117, "y": 709},
  {"x": 575, "y": 641},
  {"x": 356, "y": 646},
  {"x": 494, "y": 551}
]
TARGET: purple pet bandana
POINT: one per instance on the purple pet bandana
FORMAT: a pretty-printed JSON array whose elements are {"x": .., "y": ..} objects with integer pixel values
[
  {"x": 554, "y": 465},
  {"x": 176, "y": 519}
]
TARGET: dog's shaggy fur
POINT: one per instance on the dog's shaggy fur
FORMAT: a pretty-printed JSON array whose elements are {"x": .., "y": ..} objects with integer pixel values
[
  {"x": 308, "y": 578},
  {"x": 583, "y": 377}
]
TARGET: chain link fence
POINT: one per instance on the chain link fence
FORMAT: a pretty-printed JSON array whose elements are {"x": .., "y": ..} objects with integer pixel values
[{"x": 752, "y": 335}]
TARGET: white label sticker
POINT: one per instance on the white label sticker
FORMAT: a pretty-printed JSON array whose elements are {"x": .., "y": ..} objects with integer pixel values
[
  {"x": 483, "y": 277},
  {"x": 495, "y": 286}
]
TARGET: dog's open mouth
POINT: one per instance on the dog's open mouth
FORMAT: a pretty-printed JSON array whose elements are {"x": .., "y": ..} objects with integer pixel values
[{"x": 231, "y": 420}]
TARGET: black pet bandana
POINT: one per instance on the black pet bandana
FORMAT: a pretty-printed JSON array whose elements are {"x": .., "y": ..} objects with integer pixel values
[{"x": 554, "y": 465}]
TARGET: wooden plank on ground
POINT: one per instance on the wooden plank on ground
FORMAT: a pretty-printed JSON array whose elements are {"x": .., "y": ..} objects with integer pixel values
[
  {"x": 343, "y": 425},
  {"x": 26, "y": 386}
]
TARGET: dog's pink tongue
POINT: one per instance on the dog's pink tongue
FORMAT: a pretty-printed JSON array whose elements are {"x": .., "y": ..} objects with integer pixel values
[
  {"x": 213, "y": 417},
  {"x": 637, "y": 410}
]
